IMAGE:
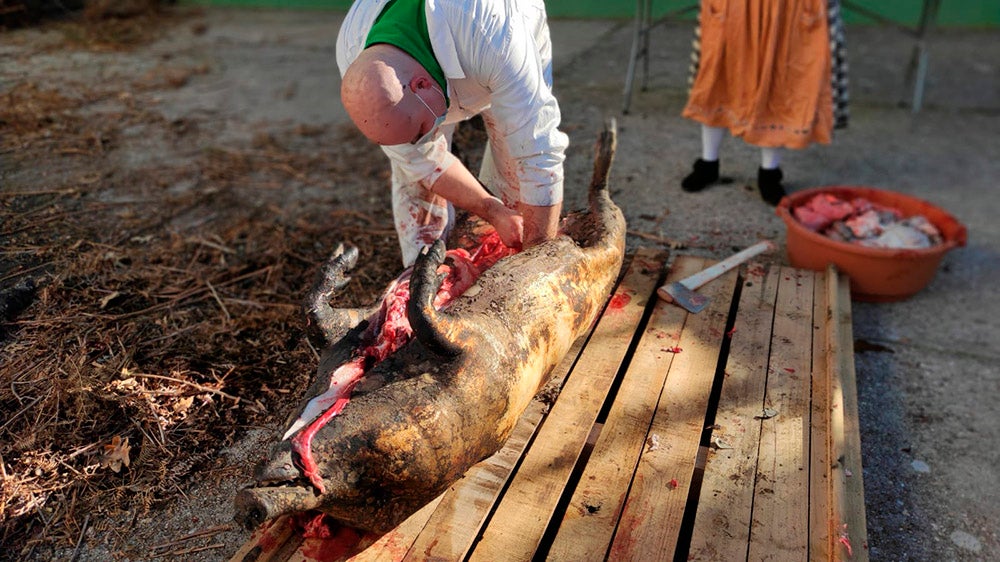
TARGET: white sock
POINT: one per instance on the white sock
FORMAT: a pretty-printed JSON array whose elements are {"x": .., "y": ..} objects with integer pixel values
[
  {"x": 770, "y": 158},
  {"x": 711, "y": 139}
]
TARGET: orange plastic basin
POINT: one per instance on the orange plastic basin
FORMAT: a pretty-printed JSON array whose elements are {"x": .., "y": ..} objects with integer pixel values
[{"x": 876, "y": 274}]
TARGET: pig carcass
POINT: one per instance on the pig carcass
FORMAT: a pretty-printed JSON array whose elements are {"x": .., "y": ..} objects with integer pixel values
[{"x": 390, "y": 423}]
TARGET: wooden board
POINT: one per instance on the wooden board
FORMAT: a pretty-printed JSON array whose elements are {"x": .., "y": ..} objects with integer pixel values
[
  {"x": 527, "y": 506},
  {"x": 780, "y": 524},
  {"x": 592, "y": 515},
  {"x": 650, "y": 524},
  {"x": 726, "y": 435},
  {"x": 722, "y": 524}
]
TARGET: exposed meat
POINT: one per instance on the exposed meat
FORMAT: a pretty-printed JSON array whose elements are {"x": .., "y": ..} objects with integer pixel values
[
  {"x": 864, "y": 225},
  {"x": 902, "y": 234},
  {"x": 820, "y": 211},
  {"x": 863, "y": 222}
]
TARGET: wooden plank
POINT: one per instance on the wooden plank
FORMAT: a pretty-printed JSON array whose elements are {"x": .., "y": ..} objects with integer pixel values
[
  {"x": 523, "y": 513},
  {"x": 394, "y": 545},
  {"x": 650, "y": 523},
  {"x": 589, "y": 522},
  {"x": 848, "y": 484},
  {"x": 821, "y": 509},
  {"x": 274, "y": 541},
  {"x": 780, "y": 528},
  {"x": 722, "y": 524}
]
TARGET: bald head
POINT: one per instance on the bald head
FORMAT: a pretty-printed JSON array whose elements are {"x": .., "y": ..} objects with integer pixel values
[{"x": 379, "y": 91}]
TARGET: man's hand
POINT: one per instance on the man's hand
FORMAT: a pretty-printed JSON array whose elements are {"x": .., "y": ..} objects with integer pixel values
[
  {"x": 508, "y": 223},
  {"x": 524, "y": 227},
  {"x": 464, "y": 191}
]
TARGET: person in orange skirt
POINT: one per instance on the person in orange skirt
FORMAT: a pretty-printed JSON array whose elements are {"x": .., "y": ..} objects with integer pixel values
[{"x": 771, "y": 72}]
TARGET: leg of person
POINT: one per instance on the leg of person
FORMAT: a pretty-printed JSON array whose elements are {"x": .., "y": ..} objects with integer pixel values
[
  {"x": 706, "y": 168},
  {"x": 769, "y": 175},
  {"x": 420, "y": 217}
]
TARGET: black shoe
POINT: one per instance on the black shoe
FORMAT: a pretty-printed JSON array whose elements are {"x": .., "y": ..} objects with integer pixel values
[
  {"x": 769, "y": 184},
  {"x": 704, "y": 175}
]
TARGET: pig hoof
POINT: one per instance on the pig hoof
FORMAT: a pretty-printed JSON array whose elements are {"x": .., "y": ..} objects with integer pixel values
[{"x": 429, "y": 327}]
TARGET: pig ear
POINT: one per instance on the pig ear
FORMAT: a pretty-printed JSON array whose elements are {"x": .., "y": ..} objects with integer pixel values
[
  {"x": 430, "y": 327},
  {"x": 325, "y": 323}
]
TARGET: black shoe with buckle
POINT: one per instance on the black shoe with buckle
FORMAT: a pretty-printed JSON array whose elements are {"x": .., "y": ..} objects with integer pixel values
[
  {"x": 769, "y": 184},
  {"x": 703, "y": 175}
]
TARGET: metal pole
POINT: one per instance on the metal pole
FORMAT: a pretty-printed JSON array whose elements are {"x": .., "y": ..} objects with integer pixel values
[
  {"x": 641, "y": 30},
  {"x": 920, "y": 52},
  {"x": 640, "y": 43}
]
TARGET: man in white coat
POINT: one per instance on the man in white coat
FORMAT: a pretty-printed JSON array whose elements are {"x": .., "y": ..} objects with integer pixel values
[{"x": 412, "y": 69}]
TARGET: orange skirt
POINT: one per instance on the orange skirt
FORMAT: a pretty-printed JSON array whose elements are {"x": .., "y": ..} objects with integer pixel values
[{"x": 764, "y": 71}]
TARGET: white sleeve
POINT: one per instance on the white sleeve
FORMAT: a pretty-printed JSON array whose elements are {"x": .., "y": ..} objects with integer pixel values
[{"x": 525, "y": 109}]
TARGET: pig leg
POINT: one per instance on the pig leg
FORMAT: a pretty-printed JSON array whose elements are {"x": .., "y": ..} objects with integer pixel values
[
  {"x": 327, "y": 324},
  {"x": 428, "y": 325}
]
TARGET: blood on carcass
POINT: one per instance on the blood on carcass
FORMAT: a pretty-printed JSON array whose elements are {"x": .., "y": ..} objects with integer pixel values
[
  {"x": 388, "y": 330},
  {"x": 324, "y": 538}
]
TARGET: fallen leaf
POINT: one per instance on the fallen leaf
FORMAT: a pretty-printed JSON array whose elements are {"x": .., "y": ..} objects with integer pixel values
[
  {"x": 116, "y": 454},
  {"x": 108, "y": 298},
  {"x": 183, "y": 405}
]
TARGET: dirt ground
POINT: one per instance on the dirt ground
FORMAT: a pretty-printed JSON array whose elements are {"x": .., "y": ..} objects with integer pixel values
[{"x": 170, "y": 183}]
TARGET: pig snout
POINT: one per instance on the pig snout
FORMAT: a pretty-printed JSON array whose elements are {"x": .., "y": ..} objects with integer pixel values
[
  {"x": 278, "y": 490},
  {"x": 254, "y": 506}
]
